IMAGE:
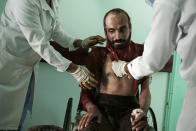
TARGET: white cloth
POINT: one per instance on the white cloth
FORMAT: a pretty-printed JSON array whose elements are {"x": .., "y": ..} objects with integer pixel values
[
  {"x": 81, "y": 74},
  {"x": 187, "y": 118},
  {"x": 136, "y": 112},
  {"x": 173, "y": 28},
  {"x": 26, "y": 27},
  {"x": 118, "y": 68}
]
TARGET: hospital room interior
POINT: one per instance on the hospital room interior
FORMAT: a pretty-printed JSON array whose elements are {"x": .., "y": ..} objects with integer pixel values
[{"x": 83, "y": 18}]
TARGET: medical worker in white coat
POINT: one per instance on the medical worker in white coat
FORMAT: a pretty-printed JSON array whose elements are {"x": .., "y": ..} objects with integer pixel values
[
  {"x": 173, "y": 27},
  {"x": 26, "y": 27}
]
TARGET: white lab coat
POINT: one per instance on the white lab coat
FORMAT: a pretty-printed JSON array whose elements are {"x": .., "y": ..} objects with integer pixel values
[
  {"x": 26, "y": 27},
  {"x": 173, "y": 28}
]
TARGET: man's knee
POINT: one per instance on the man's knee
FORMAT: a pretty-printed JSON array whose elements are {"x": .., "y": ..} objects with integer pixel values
[
  {"x": 8, "y": 130},
  {"x": 94, "y": 126}
]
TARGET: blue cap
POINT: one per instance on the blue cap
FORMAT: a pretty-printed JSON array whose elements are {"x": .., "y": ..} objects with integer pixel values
[{"x": 150, "y": 2}]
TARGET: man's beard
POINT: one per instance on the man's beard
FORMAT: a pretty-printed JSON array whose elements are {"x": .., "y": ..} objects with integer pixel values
[{"x": 123, "y": 43}]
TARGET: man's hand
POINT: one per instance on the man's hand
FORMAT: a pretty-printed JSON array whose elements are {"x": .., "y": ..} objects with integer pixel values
[
  {"x": 84, "y": 77},
  {"x": 140, "y": 121},
  {"x": 92, "y": 112},
  {"x": 91, "y": 41},
  {"x": 119, "y": 68}
]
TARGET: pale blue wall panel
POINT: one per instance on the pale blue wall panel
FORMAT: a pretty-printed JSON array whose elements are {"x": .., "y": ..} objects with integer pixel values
[{"x": 2, "y": 5}]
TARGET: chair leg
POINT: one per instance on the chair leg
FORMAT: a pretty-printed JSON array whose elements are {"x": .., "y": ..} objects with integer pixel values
[
  {"x": 67, "y": 119},
  {"x": 152, "y": 119}
]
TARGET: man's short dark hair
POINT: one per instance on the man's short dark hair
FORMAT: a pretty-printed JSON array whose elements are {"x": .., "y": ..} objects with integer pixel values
[{"x": 116, "y": 11}]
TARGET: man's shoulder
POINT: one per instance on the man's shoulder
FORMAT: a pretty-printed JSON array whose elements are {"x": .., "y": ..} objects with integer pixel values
[
  {"x": 95, "y": 61},
  {"x": 98, "y": 50},
  {"x": 137, "y": 45},
  {"x": 138, "y": 48}
]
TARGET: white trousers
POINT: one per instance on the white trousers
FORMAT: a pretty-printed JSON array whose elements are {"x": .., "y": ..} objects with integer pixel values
[{"x": 187, "y": 118}]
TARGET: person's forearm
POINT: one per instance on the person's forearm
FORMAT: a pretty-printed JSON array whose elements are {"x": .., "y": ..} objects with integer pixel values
[
  {"x": 145, "y": 100},
  {"x": 85, "y": 98},
  {"x": 160, "y": 43},
  {"x": 145, "y": 96},
  {"x": 72, "y": 68},
  {"x": 90, "y": 106}
]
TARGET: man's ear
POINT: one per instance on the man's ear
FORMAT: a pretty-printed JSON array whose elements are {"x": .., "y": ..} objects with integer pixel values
[
  {"x": 105, "y": 31},
  {"x": 130, "y": 27}
]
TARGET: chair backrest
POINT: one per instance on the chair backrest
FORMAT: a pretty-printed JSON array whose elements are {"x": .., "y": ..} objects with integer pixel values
[{"x": 67, "y": 119}]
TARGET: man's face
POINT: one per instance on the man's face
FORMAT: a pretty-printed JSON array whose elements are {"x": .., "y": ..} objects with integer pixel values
[{"x": 117, "y": 30}]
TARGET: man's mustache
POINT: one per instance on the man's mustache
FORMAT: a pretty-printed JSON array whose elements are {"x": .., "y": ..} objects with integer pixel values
[{"x": 119, "y": 41}]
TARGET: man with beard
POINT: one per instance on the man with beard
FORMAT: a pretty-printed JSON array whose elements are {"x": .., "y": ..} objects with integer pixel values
[{"x": 109, "y": 106}]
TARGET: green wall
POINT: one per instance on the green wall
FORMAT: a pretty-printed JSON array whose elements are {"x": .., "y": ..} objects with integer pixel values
[
  {"x": 175, "y": 96},
  {"x": 2, "y": 4}
]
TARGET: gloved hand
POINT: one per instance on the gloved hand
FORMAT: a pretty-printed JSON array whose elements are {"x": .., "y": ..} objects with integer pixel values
[
  {"x": 139, "y": 120},
  {"x": 136, "y": 113},
  {"x": 91, "y": 41},
  {"x": 84, "y": 77},
  {"x": 118, "y": 68}
]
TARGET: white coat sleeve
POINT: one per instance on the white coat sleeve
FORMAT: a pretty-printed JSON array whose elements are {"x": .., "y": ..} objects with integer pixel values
[
  {"x": 27, "y": 17},
  {"x": 160, "y": 42},
  {"x": 63, "y": 38}
]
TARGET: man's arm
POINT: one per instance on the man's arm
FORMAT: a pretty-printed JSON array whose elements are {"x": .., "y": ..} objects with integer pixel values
[
  {"x": 86, "y": 95},
  {"x": 145, "y": 96},
  {"x": 140, "y": 122},
  {"x": 91, "y": 109}
]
